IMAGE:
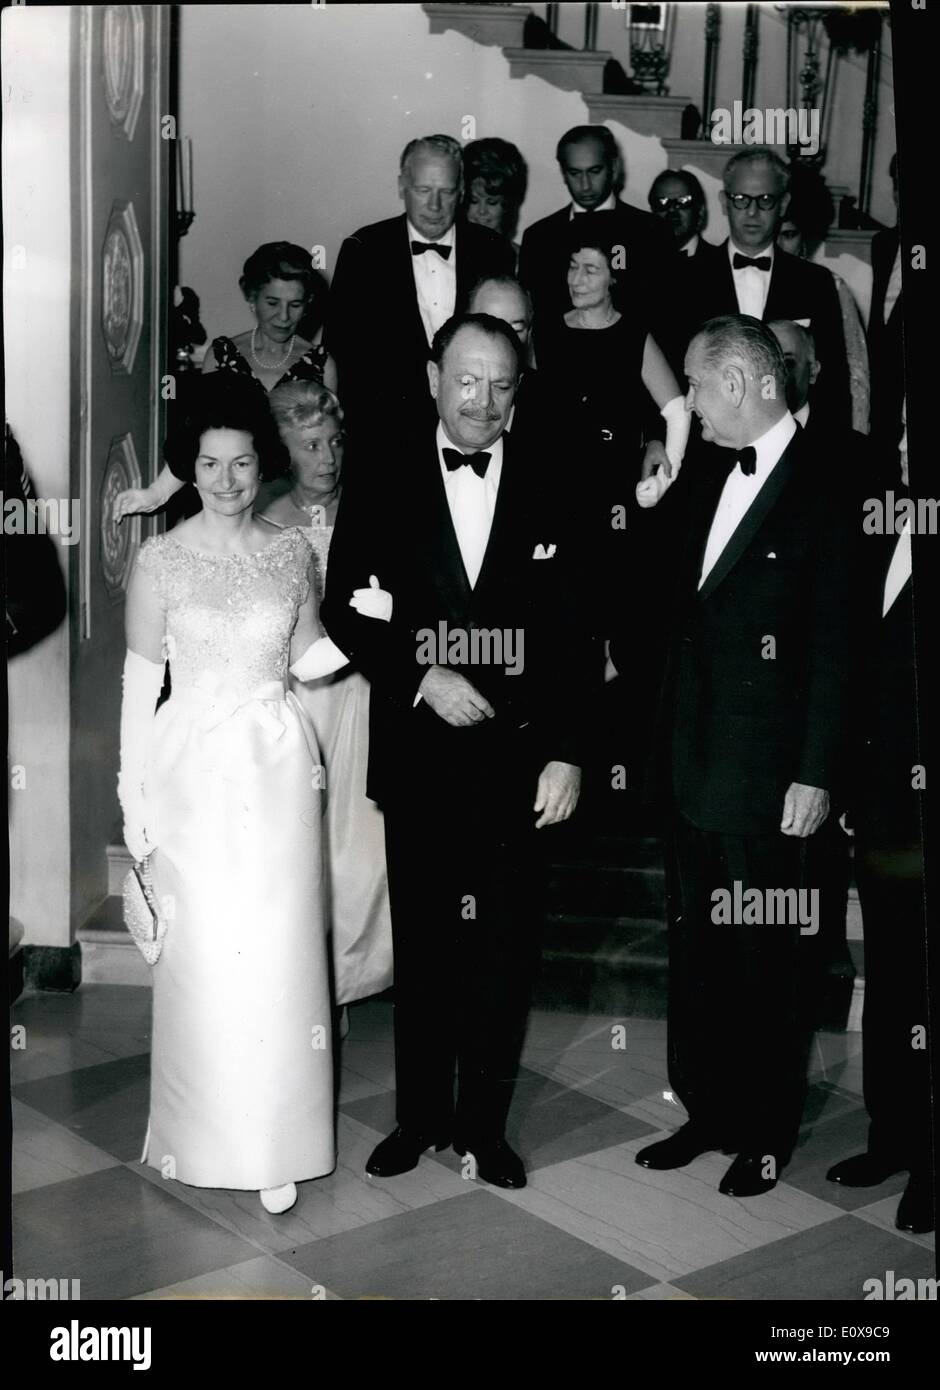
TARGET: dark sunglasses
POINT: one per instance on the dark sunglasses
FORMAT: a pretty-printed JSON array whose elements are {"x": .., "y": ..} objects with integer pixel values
[{"x": 667, "y": 204}]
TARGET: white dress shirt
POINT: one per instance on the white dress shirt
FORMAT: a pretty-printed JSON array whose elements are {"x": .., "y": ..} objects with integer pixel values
[
  {"x": 741, "y": 489},
  {"x": 750, "y": 285},
  {"x": 894, "y": 286},
  {"x": 472, "y": 502},
  {"x": 608, "y": 205},
  {"x": 435, "y": 280},
  {"x": 691, "y": 246},
  {"x": 801, "y": 416},
  {"x": 899, "y": 570}
]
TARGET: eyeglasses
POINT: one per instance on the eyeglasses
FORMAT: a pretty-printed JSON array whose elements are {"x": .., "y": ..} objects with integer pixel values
[
  {"x": 668, "y": 204},
  {"x": 765, "y": 201}
]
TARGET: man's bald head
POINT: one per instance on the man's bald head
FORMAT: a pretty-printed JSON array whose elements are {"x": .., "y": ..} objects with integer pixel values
[{"x": 799, "y": 356}]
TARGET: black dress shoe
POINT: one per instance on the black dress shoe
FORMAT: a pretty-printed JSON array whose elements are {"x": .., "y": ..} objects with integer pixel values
[
  {"x": 495, "y": 1161},
  {"x": 676, "y": 1151},
  {"x": 399, "y": 1153},
  {"x": 745, "y": 1177},
  {"x": 864, "y": 1170},
  {"x": 916, "y": 1211}
]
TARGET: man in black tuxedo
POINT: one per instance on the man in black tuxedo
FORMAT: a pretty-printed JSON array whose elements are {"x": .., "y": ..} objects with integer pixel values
[
  {"x": 396, "y": 282},
  {"x": 677, "y": 198},
  {"x": 592, "y": 168},
  {"x": 755, "y": 700},
  {"x": 885, "y": 328},
  {"x": 477, "y": 724},
  {"x": 755, "y": 277},
  {"x": 886, "y": 814}
]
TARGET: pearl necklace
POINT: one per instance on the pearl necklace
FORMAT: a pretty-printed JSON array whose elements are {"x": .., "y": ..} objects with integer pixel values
[
  {"x": 270, "y": 366},
  {"x": 607, "y": 322}
]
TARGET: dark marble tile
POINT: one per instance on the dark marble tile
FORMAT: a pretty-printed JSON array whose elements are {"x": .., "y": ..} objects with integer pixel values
[
  {"x": 548, "y": 1123},
  {"x": 118, "y": 1235},
  {"x": 476, "y": 1247},
  {"x": 823, "y": 1145},
  {"x": 830, "y": 1261},
  {"x": 107, "y": 1104}
]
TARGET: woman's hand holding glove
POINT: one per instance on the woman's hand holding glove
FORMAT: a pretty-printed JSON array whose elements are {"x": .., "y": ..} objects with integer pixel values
[{"x": 678, "y": 422}]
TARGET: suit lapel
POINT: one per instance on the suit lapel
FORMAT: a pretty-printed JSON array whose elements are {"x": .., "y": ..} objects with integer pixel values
[
  {"x": 751, "y": 522},
  {"x": 402, "y": 274},
  {"x": 443, "y": 549},
  {"x": 504, "y": 531}
]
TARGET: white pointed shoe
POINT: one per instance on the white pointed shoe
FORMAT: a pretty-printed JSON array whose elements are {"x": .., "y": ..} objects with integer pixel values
[{"x": 279, "y": 1199}]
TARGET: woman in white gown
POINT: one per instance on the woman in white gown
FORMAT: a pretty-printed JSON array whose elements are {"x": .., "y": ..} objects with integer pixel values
[
  {"x": 310, "y": 422},
  {"x": 221, "y": 786}
]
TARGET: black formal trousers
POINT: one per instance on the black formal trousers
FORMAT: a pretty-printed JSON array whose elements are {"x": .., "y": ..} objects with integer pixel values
[
  {"x": 739, "y": 1025},
  {"x": 466, "y": 884},
  {"x": 895, "y": 1054}
]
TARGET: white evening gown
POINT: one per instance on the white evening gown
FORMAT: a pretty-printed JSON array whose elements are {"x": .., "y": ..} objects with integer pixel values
[
  {"x": 358, "y": 912},
  {"x": 241, "y": 1091}
]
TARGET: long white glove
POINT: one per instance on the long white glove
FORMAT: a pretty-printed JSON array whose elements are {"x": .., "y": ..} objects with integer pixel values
[
  {"x": 143, "y": 681},
  {"x": 323, "y": 656},
  {"x": 678, "y": 422}
]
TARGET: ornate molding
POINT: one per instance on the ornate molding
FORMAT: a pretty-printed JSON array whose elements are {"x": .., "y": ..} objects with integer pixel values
[
  {"x": 120, "y": 540},
  {"x": 122, "y": 287},
  {"x": 122, "y": 65}
]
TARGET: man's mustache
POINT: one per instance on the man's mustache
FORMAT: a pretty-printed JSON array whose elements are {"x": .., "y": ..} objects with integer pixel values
[{"x": 481, "y": 415}]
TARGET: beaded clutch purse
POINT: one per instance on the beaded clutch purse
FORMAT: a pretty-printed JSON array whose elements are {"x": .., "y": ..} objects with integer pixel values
[{"x": 142, "y": 915}]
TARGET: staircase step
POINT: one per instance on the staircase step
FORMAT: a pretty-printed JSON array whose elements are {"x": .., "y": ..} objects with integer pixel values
[
  {"x": 570, "y": 70},
  {"x": 646, "y": 115},
  {"x": 502, "y": 25},
  {"x": 109, "y": 953}
]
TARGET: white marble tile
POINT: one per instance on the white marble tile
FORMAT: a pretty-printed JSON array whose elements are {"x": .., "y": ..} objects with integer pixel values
[
  {"x": 882, "y": 1214},
  {"x": 371, "y": 1061},
  {"x": 326, "y": 1206},
  {"x": 264, "y": 1277},
  {"x": 45, "y": 1152},
  {"x": 665, "y": 1224}
]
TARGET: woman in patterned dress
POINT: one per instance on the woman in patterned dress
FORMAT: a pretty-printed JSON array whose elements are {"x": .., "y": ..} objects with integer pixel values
[{"x": 221, "y": 791}]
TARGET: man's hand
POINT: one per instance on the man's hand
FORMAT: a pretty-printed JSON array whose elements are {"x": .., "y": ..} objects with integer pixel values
[
  {"x": 453, "y": 697},
  {"x": 557, "y": 794},
  {"x": 804, "y": 810}
]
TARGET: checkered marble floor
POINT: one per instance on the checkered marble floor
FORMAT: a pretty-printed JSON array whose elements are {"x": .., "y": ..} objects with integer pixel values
[{"x": 590, "y": 1225}]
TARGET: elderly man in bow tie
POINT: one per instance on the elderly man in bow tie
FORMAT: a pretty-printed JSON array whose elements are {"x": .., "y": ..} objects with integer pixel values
[
  {"x": 397, "y": 281},
  {"x": 753, "y": 276},
  {"x": 754, "y": 709},
  {"x": 478, "y": 724}
]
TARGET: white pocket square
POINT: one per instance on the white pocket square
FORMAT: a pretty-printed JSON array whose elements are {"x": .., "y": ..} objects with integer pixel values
[
  {"x": 771, "y": 555},
  {"x": 542, "y": 552},
  {"x": 803, "y": 323}
]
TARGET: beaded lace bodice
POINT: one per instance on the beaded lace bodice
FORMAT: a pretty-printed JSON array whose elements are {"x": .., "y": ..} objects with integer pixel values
[{"x": 230, "y": 616}]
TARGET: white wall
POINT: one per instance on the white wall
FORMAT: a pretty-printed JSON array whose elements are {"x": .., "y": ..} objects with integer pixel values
[
  {"x": 34, "y": 48},
  {"x": 299, "y": 113}
]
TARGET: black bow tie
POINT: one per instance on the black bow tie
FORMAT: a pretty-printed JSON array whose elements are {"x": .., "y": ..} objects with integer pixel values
[
  {"x": 759, "y": 262},
  {"x": 454, "y": 459},
  {"x": 747, "y": 460},
  {"x": 418, "y": 248}
]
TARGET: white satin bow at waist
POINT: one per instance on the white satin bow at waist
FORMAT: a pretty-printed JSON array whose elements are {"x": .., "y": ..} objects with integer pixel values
[{"x": 220, "y": 699}]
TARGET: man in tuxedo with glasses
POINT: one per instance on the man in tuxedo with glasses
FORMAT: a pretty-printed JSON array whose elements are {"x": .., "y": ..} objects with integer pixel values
[{"x": 753, "y": 276}]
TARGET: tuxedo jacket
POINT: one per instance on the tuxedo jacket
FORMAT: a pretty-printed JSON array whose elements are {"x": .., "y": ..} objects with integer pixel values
[
  {"x": 674, "y": 327},
  {"x": 798, "y": 290},
  {"x": 883, "y": 807},
  {"x": 885, "y": 345},
  {"x": 374, "y": 328},
  {"x": 758, "y": 672},
  {"x": 649, "y": 251},
  {"x": 396, "y": 524}
]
